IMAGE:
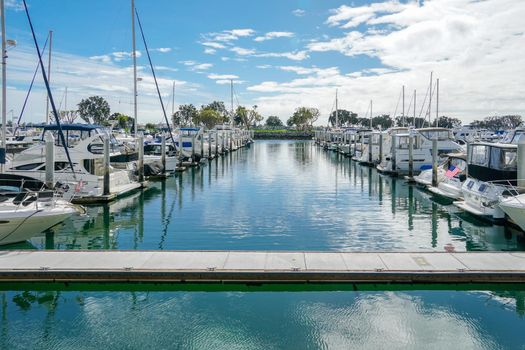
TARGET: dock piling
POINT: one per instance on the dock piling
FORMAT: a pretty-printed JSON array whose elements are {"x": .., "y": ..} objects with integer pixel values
[
  {"x": 50, "y": 160},
  {"x": 106, "y": 188}
]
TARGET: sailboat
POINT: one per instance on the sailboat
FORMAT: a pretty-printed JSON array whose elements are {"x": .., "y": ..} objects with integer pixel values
[{"x": 28, "y": 213}]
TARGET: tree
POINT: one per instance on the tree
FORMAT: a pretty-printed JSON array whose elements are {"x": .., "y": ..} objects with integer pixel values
[
  {"x": 220, "y": 108},
  {"x": 208, "y": 117},
  {"x": 123, "y": 121},
  {"x": 150, "y": 127},
  {"x": 68, "y": 116},
  {"x": 498, "y": 122},
  {"x": 185, "y": 115},
  {"x": 247, "y": 117},
  {"x": 303, "y": 117},
  {"x": 384, "y": 121},
  {"x": 344, "y": 117},
  {"x": 448, "y": 122},
  {"x": 94, "y": 109},
  {"x": 274, "y": 122},
  {"x": 418, "y": 123}
]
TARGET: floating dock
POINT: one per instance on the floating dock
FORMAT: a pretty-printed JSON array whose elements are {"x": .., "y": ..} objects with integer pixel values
[{"x": 261, "y": 267}]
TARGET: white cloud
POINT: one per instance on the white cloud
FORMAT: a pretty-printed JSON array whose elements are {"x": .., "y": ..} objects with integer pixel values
[
  {"x": 102, "y": 58},
  {"x": 243, "y": 52},
  {"x": 188, "y": 63},
  {"x": 223, "y": 76},
  {"x": 164, "y": 68},
  {"x": 475, "y": 47},
  {"x": 162, "y": 49},
  {"x": 294, "y": 56},
  {"x": 209, "y": 51},
  {"x": 298, "y": 12},
  {"x": 213, "y": 45},
  {"x": 354, "y": 16},
  {"x": 202, "y": 66},
  {"x": 225, "y": 81},
  {"x": 15, "y": 5},
  {"x": 228, "y": 35},
  {"x": 113, "y": 82},
  {"x": 273, "y": 35}
]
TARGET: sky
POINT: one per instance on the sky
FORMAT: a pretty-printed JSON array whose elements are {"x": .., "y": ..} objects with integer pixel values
[{"x": 280, "y": 55}]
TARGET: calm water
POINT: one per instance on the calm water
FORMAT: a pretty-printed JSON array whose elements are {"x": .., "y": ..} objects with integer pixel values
[{"x": 276, "y": 195}]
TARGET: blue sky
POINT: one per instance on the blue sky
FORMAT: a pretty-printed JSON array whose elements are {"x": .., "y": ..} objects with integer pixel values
[{"x": 281, "y": 54}]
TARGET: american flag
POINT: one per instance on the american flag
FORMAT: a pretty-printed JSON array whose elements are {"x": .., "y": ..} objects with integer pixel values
[{"x": 452, "y": 171}]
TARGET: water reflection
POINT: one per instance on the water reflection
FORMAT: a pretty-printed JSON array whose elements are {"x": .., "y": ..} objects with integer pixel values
[
  {"x": 279, "y": 195},
  {"x": 398, "y": 320}
]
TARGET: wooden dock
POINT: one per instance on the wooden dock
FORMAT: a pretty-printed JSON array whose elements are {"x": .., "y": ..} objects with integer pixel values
[{"x": 261, "y": 267}]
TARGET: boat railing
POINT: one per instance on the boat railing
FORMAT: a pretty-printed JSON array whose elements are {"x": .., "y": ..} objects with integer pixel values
[{"x": 510, "y": 187}]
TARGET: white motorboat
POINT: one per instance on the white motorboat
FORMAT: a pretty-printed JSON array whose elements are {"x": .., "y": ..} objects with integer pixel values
[
  {"x": 85, "y": 145},
  {"x": 492, "y": 173},
  {"x": 397, "y": 162},
  {"x": 514, "y": 207},
  {"x": 449, "y": 186},
  {"x": 30, "y": 213}
]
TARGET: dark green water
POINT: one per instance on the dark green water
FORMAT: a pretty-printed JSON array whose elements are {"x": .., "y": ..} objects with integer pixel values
[{"x": 277, "y": 195}]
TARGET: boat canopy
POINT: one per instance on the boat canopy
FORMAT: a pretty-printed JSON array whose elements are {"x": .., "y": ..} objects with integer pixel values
[
  {"x": 493, "y": 161},
  {"x": 441, "y": 134}
]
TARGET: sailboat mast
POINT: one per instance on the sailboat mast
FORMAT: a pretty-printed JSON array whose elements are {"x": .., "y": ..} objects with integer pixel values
[
  {"x": 231, "y": 99},
  {"x": 370, "y": 114},
  {"x": 403, "y": 117},
  {"x": 430, "y": 100},
  {"x": 437, "y": 101},
  {"x": 4, "y": 91},
  {"x": 49, "y": 72},
  {"x": 134, "y": 55},
  {"x": 336, "y": 111},
  {"x": 414, "y": 120},
  {"x": 173, "y": 99}
]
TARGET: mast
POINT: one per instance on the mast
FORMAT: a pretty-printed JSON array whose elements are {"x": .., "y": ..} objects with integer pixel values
[
  {"x": 65, "y": 100},
  {"x": 134, "y": 55},
  {"x": 173, "y": 100},
  {"x": 437, "y": 101},
  {"x": 414, "y": 121},
  {"x": 430, "y": 100},
  {"x": 231, "y": 97},
  {"x": 370, "y": 114},
  {"x": 49, "y": 72},
  {"x": 336, "y": 111},
  {"x": 403, "y": 118},
  {"x": 4, "y": 91}
]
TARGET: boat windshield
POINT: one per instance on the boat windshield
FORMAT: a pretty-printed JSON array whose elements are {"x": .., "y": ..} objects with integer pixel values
[
  {"x": 479, "y": 155},
  {"x": 441, "y": 135},
  {"x": 503, "y": 159}
]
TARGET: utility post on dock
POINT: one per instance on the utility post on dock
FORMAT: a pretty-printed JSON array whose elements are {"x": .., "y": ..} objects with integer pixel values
[
  {"x": 410, "y": 157},
  {"x": 370, "y": 145},
  {"x": 163, "y": 152},
  {"x": 209, "y": 144},
  {"x": 193, "y": 148},
  {"x": 393, "y": 153},
  {"x": 380, "y": 147},
  {"x": 140, "y": 148},
  {"x": 50, "y": 160},
  {"x": 521, "y": 163},
  {"x": 202, "y": 145},
  {"x": 434, "y": 163},
  {"x": 216, "y": 143},
  {"x": 106, "y": 188}
]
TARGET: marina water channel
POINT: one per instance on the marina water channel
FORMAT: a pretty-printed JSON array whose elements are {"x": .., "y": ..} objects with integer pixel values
[{"x": 274, "y": 195}]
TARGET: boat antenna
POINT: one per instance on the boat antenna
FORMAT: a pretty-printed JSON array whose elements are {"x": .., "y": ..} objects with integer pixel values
[
  {"x": 154, "y": 76},
  {"x": 51, "y": 100}
]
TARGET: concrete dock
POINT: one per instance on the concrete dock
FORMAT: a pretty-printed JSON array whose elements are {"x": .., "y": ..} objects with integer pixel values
[{"x": 261, "y": 267}]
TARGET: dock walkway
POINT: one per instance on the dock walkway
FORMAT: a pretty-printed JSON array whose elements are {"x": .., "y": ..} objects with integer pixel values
[{"x": 261, "y": 267}]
